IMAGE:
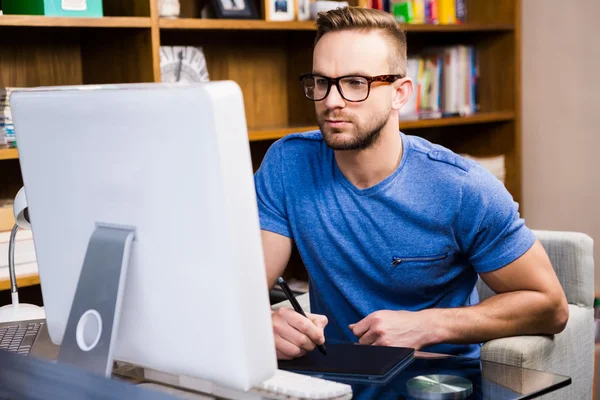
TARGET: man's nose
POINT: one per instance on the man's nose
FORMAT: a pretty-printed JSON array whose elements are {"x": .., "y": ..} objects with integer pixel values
[{"x": 334, "y": 99}]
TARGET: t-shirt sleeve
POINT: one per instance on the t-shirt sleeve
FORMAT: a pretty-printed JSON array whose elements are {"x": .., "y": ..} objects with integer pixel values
[
  {"x": 488, "y": 227},
  {"x": 270, "y": 192}
]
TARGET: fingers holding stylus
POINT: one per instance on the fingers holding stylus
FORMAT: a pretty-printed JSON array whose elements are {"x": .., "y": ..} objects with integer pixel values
[
  {"x": 296, "y": 334},
  {"x": 287, "y": 350}
]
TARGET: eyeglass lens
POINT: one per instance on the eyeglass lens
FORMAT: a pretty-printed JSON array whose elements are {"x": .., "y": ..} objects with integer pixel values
[{"x": 353, "y": 88}]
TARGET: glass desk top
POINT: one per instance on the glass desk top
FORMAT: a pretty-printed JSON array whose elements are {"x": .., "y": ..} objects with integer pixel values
[
  {"x": 29, "y": 378},
  {"x": 489, "y": 380}
]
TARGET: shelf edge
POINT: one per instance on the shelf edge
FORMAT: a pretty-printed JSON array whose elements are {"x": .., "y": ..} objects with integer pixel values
[
  {"x": 73, "y": 22},
  {"x": 482, "y": 118},
  {"x": 242, "y": 25}
]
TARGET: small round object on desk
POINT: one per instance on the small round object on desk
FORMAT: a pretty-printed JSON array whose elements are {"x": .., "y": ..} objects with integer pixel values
[{"x": 439, "y": 387}]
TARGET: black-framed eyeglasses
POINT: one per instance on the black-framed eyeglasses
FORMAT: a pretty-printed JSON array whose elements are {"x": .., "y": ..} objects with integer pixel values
[{"x": 353, "y": 88}]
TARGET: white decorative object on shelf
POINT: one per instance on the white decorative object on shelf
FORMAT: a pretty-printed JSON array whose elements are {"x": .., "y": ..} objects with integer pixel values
[
  {"x": 184, "y": 64},
  {"x": 324, "y": 5},
  {"x": 303, "y": 10},
  {"x": 169, "y": 8}
]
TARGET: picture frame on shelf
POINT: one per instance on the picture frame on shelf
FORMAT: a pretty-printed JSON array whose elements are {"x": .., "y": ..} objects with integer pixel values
[
  {"x": 303, "y": 10},
  {"x": 234, "y": 9},
  {"x": 169, "y": 8},
  {"x": 280, "y": 10}
]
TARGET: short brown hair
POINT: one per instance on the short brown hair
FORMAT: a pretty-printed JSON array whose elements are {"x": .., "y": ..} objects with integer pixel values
[{"x": 358, "y": 18}]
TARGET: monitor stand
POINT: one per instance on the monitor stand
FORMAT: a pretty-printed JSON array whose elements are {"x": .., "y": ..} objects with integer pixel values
[{"x": 91, "y": 330}]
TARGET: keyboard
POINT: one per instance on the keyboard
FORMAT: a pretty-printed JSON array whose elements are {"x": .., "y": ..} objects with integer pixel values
[
  {"x": 283, "y": 385},
  {"x": 289, "y": 385},
  {"x": 19, "y": 338}
]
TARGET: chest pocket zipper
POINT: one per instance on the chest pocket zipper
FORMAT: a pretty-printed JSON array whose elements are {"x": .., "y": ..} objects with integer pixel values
[{"x": 397, "y": 260}]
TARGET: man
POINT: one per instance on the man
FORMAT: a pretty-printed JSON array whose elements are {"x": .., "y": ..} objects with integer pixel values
[{"x": 393, "y": 230}]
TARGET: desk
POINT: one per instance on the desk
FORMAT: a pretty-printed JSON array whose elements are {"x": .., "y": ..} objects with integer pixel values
[{"x": 490, "y": 380}]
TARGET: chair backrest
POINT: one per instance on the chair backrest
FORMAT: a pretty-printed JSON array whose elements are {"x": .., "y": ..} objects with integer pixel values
[{"x": 572, "y": 256}]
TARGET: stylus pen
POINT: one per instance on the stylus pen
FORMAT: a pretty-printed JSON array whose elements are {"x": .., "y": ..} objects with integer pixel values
[{"x": 292, "y": 299}]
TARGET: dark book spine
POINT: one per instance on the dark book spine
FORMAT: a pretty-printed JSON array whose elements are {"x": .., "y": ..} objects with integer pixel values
[{"x": 461, "y": 11}]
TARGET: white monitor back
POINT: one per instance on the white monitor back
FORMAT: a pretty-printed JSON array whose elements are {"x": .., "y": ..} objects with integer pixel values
[{"x": 173, "y": 162}]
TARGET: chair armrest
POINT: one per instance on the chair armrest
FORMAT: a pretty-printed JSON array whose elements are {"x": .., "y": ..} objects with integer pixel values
[
  {"x": 520, "y": 351},
  {"x": 569, "y": 353}
]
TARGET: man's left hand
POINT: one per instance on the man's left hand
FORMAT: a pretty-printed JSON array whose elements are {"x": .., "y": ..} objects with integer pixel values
[{"x": 395, "y": 328}]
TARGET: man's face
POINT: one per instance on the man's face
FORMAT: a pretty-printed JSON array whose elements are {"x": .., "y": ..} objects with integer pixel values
[{"x": 348, "y": 125}]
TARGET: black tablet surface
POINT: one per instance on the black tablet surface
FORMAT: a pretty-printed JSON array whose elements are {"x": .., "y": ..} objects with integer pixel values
[{"x": 349, "y": 360}]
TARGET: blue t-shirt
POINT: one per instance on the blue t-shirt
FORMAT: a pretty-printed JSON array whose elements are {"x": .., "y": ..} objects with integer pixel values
[{"x": 415, "y": 240}]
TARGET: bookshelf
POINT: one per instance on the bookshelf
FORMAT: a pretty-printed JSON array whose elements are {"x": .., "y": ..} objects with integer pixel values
[
  {"x": 479, "y": 118},
  {"x": 264, "y": 58},
  {"x": 105, "y": 22},
  {"x": 231, "y": 24}
]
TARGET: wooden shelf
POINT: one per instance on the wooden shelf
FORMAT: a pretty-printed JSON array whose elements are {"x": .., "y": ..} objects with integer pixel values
[
  {"x": 459, "y": 28},
  {"x": 8, "y": 154},
  {"x": 482, "y": 118},
  {"x": 229, "y": 24},
  {"x": 276, "y": 133},
  {"x": 22, "y": 281},
  {"x": 232, "y": 24},
  {"x": 69, "y": 22}
]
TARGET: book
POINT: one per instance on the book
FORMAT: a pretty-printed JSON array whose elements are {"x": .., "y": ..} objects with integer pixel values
[
  {"x": 418, "y": 12},
  {"x": 444, "y": 83},
  {"x": 7, "y": 129},
  {"x": 461, "y": 11},
  {"x": 446, "y": 11},
  {"x": 431, "y": 12}
]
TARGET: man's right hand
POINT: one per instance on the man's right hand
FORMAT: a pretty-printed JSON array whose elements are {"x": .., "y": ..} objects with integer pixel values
[{"x": 296, "y": 335}]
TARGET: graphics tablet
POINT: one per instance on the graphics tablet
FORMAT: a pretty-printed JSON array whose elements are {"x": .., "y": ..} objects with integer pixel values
[{"x": 352, "y": 363}]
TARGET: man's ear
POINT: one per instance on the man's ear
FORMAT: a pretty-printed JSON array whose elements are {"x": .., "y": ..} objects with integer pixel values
[{"x": 403, "y": 89}]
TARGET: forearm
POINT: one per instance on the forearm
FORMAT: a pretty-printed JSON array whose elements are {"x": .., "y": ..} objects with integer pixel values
[
  {"x": 508, "y": 314},
  {"x": 277, "y": 250}
]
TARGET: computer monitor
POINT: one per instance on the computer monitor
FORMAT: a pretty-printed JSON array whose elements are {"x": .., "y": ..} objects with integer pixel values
[{"x": 172, "y": 162}]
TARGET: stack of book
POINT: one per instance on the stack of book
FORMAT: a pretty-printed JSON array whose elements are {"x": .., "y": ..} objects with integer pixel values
[
  {"x": 494, "y": 164},
  {"x": 424, "y": 11},
  {"x": 445, "y": 82},
  {"x": 7, "y": 130}
]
